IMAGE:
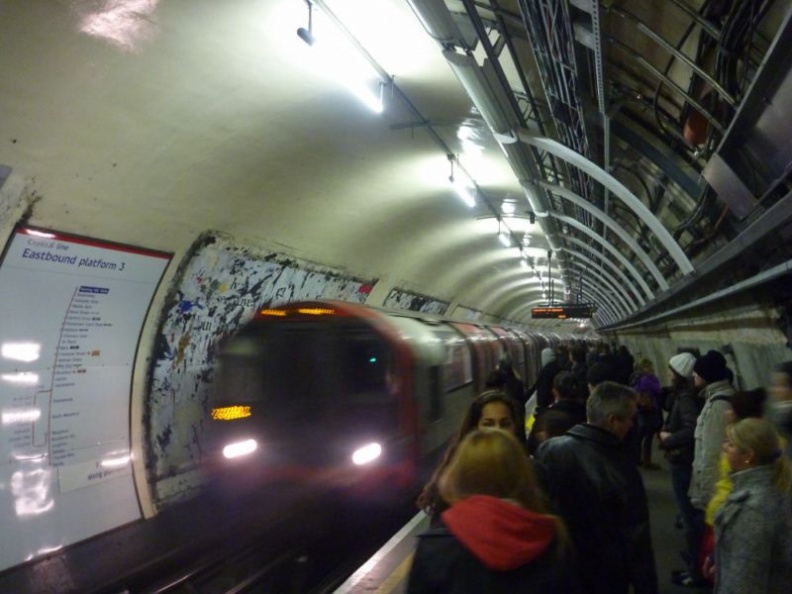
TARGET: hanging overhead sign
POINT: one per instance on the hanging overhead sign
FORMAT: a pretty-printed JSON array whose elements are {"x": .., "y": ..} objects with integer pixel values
[{"x": 562, "y": 312}]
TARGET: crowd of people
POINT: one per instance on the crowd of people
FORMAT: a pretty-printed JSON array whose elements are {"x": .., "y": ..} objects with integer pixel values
[{"x": 563, "y": 508}]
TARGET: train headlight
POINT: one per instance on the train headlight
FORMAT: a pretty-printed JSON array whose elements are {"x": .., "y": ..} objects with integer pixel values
[
  {"x": 240, "y": 448},
  {"x": 367, "y": 453}
]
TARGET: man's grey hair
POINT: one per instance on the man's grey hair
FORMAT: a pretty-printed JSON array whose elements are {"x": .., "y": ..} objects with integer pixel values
[{"x": 609, "y": 398}]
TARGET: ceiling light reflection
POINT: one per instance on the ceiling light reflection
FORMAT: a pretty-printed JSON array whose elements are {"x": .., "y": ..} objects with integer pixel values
[
  {"x": 115, "y": 461},
  {"x": 25, "y": 378},
  {"x": 125, "y": 23},
  {"x": 39, "y": 233},
  {"x": 19, "y": 416},
  {"x": 21, "y": 351},
  {"x": 31, "y": 490}
]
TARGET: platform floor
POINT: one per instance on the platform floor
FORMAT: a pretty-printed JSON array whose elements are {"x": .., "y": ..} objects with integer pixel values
[{"x": 386, "y": 572}]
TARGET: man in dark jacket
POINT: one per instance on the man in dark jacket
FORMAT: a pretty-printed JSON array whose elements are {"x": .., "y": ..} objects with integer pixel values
[
  {"x": 544, "y": 383},
  {"x": 565, "y": 412},
  {"x": 596, "y": 487}
]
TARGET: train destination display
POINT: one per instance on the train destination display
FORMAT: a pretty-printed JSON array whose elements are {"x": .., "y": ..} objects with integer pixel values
[
  {"x": 73, "y": 309},
  {"x": 561, "y": 312}
]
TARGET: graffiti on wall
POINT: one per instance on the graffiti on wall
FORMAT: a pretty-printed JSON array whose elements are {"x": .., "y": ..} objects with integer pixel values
[
  {"x": 217, "y": 289},
  {"x": 399, "y": 299}
]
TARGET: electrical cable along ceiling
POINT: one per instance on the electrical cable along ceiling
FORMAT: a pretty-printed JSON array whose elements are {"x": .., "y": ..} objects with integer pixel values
[{"x": 640, "y": 132}]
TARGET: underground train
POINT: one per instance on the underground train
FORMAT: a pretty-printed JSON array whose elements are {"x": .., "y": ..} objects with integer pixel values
[{"x": 349, "y": 396}]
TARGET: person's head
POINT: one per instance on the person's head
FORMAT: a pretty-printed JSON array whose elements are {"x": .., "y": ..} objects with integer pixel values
[
  {"x": 598, "y": 373},
  {"x": 754, "y": 442},
  {"x": 496, "y": 379},
  {"x": 564, "y": 386},
  {"x": 505, "y": 362},
  {"x": 493, "y": 409},
  {"x": 548, "y": 356},
  {"x": 680, "y": 369},
  {"x": 781, "y": 388},
  {"x": 746, "y": 404},
  {"x": 643, "y": 365},
  {"x": 553, "y": 423},
  {"x": 710, "y": 368},
  {"x": 612, "y": 406},
  {"x": 578, "y": 353},
  {"x": 490, "y": 462}
]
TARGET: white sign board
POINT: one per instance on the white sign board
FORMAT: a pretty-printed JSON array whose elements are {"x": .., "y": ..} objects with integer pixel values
[{"x": 71, "y": 312}]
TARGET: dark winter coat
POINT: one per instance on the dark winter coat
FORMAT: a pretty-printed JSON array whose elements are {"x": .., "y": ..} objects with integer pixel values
[
  {"x": 574, "y": 411},
  {"x": 681, "y": 423},
  {"x": 595, "y": 486},
  {"x": 484, "y": 544},
  {"x": 544, "y": 384}
]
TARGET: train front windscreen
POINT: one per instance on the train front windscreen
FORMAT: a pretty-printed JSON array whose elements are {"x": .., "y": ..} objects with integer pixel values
[{"x": 306, "y": 393}]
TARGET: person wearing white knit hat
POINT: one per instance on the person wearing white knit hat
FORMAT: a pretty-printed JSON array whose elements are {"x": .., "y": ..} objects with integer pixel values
[
  {"x": 677, "y": 442},
  {"x": 683, "y": 364}
]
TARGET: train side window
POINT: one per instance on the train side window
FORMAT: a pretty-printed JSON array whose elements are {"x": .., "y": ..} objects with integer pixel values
[
  {"x": 435, "y": 391},
  {"x": 458, "y": 368}
]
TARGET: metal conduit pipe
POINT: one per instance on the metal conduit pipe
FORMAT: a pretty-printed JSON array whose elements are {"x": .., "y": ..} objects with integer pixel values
[
  {"x": 681, "y": 56},
  {"x": 491, "y": 100},
  {"x": 602, "y": 312},
  {"x": 603, "y": 300},
  {"x": 615, "y": 186},
  {"x": 758, "y": 279},
  {"x": 608, "y": 222},
  {"x": 608, "y": 246},
  {"x": 580, "y": 245},
  {"x": 612, "y": 282}
]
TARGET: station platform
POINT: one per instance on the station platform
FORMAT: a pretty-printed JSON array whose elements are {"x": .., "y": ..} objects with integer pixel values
[{"x": 387, "y": 570}]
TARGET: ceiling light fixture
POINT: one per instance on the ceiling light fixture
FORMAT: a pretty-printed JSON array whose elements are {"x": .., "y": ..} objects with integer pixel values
[
  {"x": 343, "y": 58},
  {"x": 463, "y": 190},
  {"x": 307, "y": 34}
]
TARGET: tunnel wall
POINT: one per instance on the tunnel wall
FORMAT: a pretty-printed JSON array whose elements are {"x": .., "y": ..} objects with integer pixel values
[
  {"x": 745, "y": 329},
  {"x": 218, "y": 287}
]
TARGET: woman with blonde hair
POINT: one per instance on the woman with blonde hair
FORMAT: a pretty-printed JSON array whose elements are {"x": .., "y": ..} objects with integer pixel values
[
  {"x": 495, "y": 536},
  {"x": 753, "y": 528}
]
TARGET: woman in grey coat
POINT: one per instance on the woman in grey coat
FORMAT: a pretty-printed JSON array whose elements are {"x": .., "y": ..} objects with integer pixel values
[{"x": 753, "y": 529}]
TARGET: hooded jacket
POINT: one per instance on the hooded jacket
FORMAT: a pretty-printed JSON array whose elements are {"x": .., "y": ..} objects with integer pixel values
[
  {"x": 681, "y": 424},
  {"x": 485, "y": 544}
]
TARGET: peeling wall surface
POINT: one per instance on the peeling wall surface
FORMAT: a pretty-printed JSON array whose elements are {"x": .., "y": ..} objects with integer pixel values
[
  {"x": 746, "y": 334},
  {"x": 218, "y": 289},
  {"x": 398, "y": 299}
]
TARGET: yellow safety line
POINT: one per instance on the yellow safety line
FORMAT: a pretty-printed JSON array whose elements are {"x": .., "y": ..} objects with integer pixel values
[{"x": 395, "y": 578}]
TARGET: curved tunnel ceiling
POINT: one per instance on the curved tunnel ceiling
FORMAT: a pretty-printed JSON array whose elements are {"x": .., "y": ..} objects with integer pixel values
[{"x": 627, "y": 145}]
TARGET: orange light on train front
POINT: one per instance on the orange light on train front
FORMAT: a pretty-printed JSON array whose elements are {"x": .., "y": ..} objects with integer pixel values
[
  {"x": 278, "y": 313},
  {"x": 316, "y": 311},
  {"x": 230, "y": 413},
  {"x": 240, "y": 448}
]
